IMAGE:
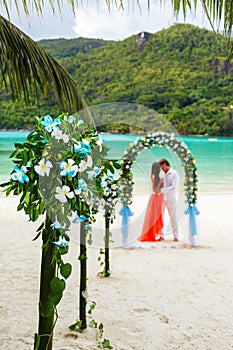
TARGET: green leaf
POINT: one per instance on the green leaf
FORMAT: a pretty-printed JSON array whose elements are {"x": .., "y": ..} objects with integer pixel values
[
  {"x": 34, "y": 213},
  {"x": 40, "y": 228},
  {"x": 75, "y": 325},
  {"x": 57, "y": 285},
  {"x": 18, "y": 145},
  {"x": 27, "y": 197},
  {"x": 117, "y": 165},
  {"x": 101, "y": 326},
  {"x": 25, "y": 157},
  {"x": 55, "y": 298},
  {"x": 19, "y": 207},
  {"x": 64, "y": 250},
  {"x": 89, "y": 241},
  {"x": 41, "y": 208},
  {"x": 36, "y": 341},
  {"x": 37, "y": 236},
  {"x": 106, "y": 344},
  {"x": 66, "y": 270},
  {"x": 28, "y": 68},
  {"x": 85, "y": 294},
  {"x": 92, "y": 306},
  {"x": 93, "y": 324},
  {"x": 13, "y": 154},
  {"x": 47, "y": 309}
]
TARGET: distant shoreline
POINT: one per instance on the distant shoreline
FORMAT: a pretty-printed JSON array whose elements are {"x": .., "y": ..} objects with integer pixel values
[{"x": 125, "y": 133}]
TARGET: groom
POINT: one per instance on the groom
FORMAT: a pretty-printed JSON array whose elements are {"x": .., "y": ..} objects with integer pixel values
[{"x": 169, "y": 194}]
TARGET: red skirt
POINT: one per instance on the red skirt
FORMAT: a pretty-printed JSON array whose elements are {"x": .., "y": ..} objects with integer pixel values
[{"x": 153, "y": 222}]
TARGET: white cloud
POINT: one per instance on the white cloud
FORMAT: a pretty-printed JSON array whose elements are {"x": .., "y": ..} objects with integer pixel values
[
  {"x": 49, "y": 26},
  {"x": 93, "y": 20}
]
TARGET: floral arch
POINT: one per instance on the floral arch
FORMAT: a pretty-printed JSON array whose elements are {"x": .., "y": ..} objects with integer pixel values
[{"x": 177, "y": 146}]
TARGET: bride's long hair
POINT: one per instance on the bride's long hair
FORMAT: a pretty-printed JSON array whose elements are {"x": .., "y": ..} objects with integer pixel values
[{"x": 155, "y": 170}]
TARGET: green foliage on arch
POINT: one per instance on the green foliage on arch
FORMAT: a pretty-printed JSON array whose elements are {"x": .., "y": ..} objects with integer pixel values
[{"x": 172, "y": 143}]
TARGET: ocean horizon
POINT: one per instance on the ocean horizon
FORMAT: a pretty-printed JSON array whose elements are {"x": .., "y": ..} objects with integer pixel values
[{"x": 213, "y": 156}]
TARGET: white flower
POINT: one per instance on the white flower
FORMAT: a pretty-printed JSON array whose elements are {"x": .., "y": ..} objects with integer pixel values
[
  {"x": 80, "y": 121},
  {"x": 85, "y": 142},
  {"x": 71, "y": 119},
  {"x": 59, "y": 135},
  {"x": 62, "y": 193},
  {"x": 68, "y": 168},
  {"x": 84, "y": 164},
  {"x": 56, "y": 225},
  {"x": 43, "y": 168},
  {"x": 77, "y": 190},
  {"x": 99, "y": 143}
]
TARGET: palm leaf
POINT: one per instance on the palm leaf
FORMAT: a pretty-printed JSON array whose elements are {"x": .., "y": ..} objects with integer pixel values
[
  {"x": 26, "y": 69},
  {"x": 217, "y": 11},
  {"x": 27, "y": 5}
]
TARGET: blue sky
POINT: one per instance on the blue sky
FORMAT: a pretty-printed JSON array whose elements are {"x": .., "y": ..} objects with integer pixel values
[{"x": 94, "y": 20}]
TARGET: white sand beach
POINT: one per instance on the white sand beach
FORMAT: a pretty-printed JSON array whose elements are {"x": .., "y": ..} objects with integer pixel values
[{"x": 161, "y": 296}]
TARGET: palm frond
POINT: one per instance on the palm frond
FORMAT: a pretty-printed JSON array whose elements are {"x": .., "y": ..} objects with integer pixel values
[
  {"x": 217, "y": 11},
  {"x": 26, "y": 69},
  {"x": 28, "y": 5}
]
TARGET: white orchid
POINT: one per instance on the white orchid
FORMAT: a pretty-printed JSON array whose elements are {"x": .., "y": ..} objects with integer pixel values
[
  {"x": 84, "y": 164},
  {"x": 100, "y": 143},
  {"x": 58, "y": 134},
  {"x": 43, "y": 167},
  {"x": 62, "y": 193},
  {"x": 68, "y": 168}
]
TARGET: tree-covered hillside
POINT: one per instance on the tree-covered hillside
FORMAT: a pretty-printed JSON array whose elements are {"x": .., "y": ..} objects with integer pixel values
[
  {"x": 61, "y": 48},
  {"x": 181, "y": 72}
]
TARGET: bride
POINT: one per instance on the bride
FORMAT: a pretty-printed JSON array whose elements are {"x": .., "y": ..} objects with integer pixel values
[{"x": 153, "y": 221}]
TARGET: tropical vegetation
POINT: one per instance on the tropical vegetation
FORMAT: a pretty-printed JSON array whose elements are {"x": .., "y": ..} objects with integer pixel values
[{"x": 181, "y": 72}]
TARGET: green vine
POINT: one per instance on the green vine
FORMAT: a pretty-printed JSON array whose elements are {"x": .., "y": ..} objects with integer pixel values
[{"x": 57, "y": 173}]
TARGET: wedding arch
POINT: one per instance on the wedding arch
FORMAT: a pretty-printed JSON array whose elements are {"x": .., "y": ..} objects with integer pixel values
[{"x": 176, "y": 145}]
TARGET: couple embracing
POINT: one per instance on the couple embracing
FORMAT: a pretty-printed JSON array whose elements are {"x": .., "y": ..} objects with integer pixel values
[{"x": 164, "y": 181}]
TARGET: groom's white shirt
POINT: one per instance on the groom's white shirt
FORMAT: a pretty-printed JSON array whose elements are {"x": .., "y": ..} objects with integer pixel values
[{"x": 170, "y": 182}]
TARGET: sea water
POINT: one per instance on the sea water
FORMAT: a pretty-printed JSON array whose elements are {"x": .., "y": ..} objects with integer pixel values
[{"x": 213, "y": 156}]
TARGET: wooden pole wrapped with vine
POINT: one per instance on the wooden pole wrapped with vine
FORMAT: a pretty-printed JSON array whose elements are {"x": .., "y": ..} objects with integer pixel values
[
  {"x": 106, "y": 241},
  {"x": 55, "y": 172},
  {"x": 83, "y": 277},
  {"x": 110, "y": 195}
]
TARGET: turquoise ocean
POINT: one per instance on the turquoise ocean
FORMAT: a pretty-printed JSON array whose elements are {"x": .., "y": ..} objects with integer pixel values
[{"x": 213, "y": 155}]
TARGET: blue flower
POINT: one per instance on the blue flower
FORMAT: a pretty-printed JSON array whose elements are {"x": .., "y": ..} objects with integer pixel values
[
  {"x": 95, "y": 200},
  {"x": 103, "y": 183},
  {"x": 68, "y": 169},
  {"x": 49, "y": 123},
  {"x": 56, "y": 225},
  {"x": 82, "y": 186},
  {"x": 61, "y": 242},
  {"x": 94, "y": 172},
  {"x": 71, "y": 119},
  {"x": 82, "y": 147},
  {"x": 20, "y": 174},
  {"x": 78, "y": 219}
]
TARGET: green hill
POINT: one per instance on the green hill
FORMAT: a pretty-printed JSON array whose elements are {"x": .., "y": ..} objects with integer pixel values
[
  {"x": 181, "y": 72},
  {"x": 61, "y": 48}
]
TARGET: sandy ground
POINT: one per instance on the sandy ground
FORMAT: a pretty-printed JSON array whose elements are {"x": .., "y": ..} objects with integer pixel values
[{"x": 159, "y": 296}]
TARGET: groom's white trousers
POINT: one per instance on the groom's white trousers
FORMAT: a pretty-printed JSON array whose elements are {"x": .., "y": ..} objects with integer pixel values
[{"x": 169, "y": 200}]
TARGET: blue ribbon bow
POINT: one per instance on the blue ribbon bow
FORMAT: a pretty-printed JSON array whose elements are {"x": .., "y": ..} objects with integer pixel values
[
  {"x": 126, "y": 213},
  {"x": 192, "y": 211}
]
